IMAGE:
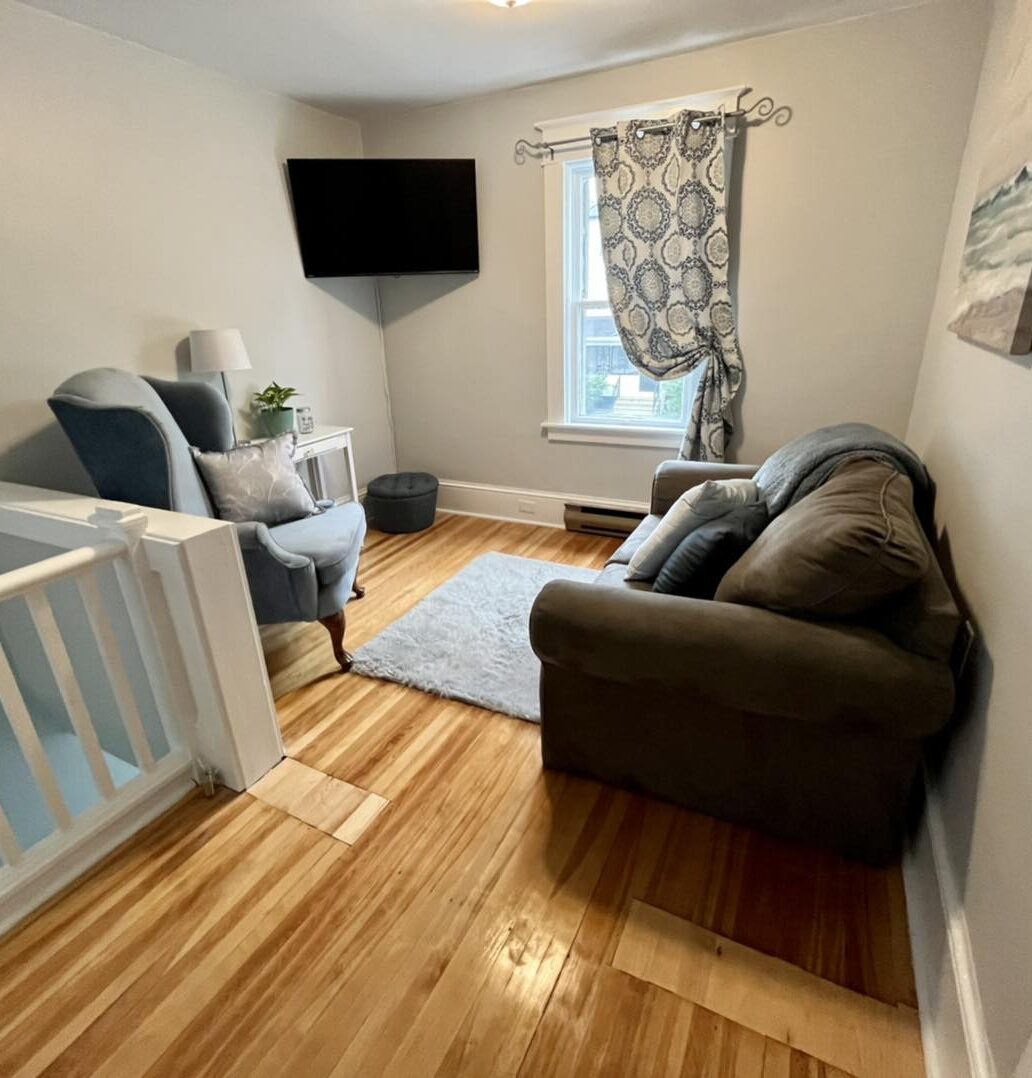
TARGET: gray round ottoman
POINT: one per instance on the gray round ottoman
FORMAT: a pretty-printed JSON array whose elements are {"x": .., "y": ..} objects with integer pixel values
[{"x": 402, "y": 502}]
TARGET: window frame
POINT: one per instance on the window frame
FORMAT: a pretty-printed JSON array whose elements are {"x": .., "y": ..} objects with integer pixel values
[{"x": 562, "y": 424}]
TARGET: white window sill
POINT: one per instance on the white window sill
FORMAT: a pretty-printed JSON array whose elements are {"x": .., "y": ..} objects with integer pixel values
[{"x": 610, "y": 434}]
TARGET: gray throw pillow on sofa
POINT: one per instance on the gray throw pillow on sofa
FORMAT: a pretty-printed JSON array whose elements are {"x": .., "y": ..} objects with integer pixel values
[
  {"x": 256, "y": 481},
  {"x": 844, "y": 549},
  {"x": 705, "y": 501},
  {"x": 701, "y": 559}
]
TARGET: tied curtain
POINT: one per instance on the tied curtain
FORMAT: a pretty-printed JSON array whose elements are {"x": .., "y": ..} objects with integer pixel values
[{"x": 661, "y": 212}]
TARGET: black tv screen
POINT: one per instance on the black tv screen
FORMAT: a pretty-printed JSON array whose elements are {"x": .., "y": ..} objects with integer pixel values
[{"x": 363, "y": 217}]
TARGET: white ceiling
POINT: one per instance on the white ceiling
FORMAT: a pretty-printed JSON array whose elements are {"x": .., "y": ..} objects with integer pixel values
[{"x": 349, "y": 55}]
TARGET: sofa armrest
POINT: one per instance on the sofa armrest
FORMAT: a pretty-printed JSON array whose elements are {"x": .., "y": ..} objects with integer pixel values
[
  {"x": 741, "y": 657},
  {"x": 283, "y": 585},
  {"x": 674, "y": 477},
  {"x": 256, "y": 538}
]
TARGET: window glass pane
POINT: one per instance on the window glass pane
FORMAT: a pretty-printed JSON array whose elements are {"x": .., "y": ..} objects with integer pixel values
[
  {"x": 596, "y": 268},
  {"x": 614, "y": 391},
  {"x": 603, "y": 386}
]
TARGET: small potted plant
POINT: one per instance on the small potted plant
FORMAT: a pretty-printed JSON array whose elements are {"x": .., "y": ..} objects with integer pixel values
[{"x": 271, "y": 405}]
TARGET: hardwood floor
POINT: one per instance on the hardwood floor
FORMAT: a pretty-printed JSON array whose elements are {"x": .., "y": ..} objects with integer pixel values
[{"x": 488, "y": 919}]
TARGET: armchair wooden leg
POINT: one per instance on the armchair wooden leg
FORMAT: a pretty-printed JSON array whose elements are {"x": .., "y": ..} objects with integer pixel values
[{"x": 335, "y": 625}]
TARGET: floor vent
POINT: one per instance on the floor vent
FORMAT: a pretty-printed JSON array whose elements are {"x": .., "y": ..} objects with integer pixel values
[{"x": 597, "y": 521}]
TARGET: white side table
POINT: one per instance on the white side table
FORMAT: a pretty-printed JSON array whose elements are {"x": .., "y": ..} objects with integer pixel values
[{"x": 311, "y": 447}]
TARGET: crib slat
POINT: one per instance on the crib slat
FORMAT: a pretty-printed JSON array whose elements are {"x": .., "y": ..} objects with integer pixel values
[
  {"x": 68, "y": 684},
  {"x": 111, "y": 654},
  {"x": 31, "y": 746},
  {"x": 9, "y": 848}
]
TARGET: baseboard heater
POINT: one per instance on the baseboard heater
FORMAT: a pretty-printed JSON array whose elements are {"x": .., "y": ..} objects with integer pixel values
[{"x": 595, "y": 520}]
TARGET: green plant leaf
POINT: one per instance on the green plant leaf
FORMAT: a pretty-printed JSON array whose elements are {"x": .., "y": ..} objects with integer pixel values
[{"x": 274, "y": 397}]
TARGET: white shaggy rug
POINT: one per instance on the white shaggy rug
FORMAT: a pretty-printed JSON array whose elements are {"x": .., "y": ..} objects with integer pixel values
[{"x": 469, "y": 639}]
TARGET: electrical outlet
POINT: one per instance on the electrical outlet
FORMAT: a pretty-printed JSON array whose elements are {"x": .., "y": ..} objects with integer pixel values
[{"x": 527, "y": 506}]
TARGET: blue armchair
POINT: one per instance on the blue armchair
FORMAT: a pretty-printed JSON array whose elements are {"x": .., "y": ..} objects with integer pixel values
[{"x": 133, "y": 435}]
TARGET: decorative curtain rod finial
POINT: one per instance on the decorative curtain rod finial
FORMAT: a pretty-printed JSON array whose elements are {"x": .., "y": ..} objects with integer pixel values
[{"x": 524, "y": 149}]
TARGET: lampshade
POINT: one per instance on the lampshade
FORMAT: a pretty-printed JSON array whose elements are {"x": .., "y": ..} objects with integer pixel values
[{"x": 218, "y": 350}]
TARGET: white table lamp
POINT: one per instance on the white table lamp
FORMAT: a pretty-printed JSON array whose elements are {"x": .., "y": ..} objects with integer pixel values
[{"x": 218, "y": 350}]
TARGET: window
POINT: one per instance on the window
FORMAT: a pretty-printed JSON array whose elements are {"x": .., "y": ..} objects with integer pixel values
[
  {"x": 602, "y": 387},
  {"x": 594, "y": 394}
]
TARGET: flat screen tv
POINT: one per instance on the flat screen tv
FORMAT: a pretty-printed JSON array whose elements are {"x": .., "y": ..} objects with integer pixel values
[{"x": 365, "y": 217}]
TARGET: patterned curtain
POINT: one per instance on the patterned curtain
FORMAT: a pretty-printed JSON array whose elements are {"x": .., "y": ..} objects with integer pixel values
[{"x": 661, "y": 199}]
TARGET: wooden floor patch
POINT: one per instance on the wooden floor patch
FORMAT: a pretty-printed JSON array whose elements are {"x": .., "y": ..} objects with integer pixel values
[
  {"x": 860, "y": 1035},
  {"x": 332, "y": 805}
]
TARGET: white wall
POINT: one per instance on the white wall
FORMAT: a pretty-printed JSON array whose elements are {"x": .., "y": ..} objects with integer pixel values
[
  {"x": 842, "y": 217},
  {"x": 141, "y": 197},
  {"x": 972, "y": 423}
]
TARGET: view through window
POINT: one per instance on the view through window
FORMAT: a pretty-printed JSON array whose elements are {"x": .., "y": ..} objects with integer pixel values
[{"x": 601, "y": 384}]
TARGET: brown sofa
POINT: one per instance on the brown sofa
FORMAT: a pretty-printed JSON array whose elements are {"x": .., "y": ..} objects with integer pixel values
[{"x": 808, "y": 729}]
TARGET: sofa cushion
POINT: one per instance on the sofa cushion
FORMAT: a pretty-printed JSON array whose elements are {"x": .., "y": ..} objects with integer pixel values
[
  {"x": 702, "y": 558},
  {"x": 924, "y": 617},
  {"x": 840, "y": 551},
  {"x": 612, "y": 576},
  {"x": 625, "y": 551},
  {"x": 711, "y": 499}
]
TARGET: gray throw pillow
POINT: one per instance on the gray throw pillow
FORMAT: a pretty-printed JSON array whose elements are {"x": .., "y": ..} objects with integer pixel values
[
  {"x": 706, "y": 500},
  {"x": 256, "y": 481},
  {"x": 701, "y": 559},
  {"x": 844, "y": 549}
]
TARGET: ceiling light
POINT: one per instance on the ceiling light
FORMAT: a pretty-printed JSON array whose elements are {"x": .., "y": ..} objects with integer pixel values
[{"x": 509, "y": 3}]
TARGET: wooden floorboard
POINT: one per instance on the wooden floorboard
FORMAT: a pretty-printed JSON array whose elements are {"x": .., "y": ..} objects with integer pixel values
[
  {"x": 320, "y": 800},
  {"x": 863, "y": 1036},
  {"x": 475, "y": 928}
]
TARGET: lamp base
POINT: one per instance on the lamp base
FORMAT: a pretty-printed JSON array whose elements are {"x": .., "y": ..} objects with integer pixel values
[{"x": 229, "y": 404}]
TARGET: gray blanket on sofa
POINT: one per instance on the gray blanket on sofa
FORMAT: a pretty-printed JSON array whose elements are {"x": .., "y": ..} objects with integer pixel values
[{"x": 802, "y": 466}]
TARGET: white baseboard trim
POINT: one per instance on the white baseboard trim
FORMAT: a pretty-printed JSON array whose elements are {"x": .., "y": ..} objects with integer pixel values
[
  {"x": 109, "y": 826},
  {"x": 952, "y": 1021},
  {"x": 542, "y": 507}
]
